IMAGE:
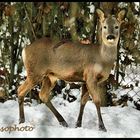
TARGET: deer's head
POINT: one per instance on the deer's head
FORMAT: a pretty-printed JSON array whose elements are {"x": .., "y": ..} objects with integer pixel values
[{"x": 110, "y": 27}]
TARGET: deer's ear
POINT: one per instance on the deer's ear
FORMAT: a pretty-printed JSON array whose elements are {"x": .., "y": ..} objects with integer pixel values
[
  {"x": 100, "y": 14},
  {"x": 121, "y": 15}
]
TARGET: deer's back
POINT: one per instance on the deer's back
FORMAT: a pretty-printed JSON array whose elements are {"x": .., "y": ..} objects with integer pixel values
[{"x": 67, "y": 60}]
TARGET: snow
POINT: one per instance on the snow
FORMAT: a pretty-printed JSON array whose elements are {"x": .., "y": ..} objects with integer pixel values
[
  {"x": 92, "y": 8},
  {"x": 41, "y": 123}
]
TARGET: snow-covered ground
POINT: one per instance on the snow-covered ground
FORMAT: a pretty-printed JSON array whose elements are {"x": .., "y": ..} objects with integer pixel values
[{"x": 40, "y": 122}]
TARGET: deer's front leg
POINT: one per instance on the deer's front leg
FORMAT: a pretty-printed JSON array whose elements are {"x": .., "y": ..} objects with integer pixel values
[
  {"x": 95, "y": 91},
  {"x": 84, "y": 99}
]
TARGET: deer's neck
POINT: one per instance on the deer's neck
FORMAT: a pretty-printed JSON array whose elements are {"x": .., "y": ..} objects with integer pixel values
[{"x": 108, "y": 53}]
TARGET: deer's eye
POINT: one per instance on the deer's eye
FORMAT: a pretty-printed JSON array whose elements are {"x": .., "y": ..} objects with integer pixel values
[
  {"x": 105, "y": 27},
  {"x": 116, "y": 27}
]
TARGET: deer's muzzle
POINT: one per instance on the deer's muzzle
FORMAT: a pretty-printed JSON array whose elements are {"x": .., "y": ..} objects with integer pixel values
[{"x": 110, "y": 37}]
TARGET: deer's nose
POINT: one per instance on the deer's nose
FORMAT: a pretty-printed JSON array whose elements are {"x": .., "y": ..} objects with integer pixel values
[{"x": 110, "y": 37}]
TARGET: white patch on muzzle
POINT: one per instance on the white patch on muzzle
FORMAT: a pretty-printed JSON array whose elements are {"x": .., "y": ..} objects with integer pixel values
[{"x": 110, "y": 40}]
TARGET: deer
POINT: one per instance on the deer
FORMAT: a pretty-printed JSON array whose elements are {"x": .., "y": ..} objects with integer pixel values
[{"x": 72, "y": 61}]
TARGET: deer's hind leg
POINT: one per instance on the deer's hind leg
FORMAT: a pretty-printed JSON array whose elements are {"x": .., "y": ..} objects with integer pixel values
[
  {"x": 22, "y": 91},
  {"x": 48, "y": 84}
]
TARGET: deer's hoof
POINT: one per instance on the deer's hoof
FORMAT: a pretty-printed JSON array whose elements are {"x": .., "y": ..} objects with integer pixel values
[
  {"x": 63, "y": 123},
  {"x": 21, "y": 120},
  {"x": 102, "y": 128},
  {"x": 78, "y": 124}
]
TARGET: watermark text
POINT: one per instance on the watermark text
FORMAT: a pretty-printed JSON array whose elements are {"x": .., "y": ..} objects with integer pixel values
[{"x": 16, "y": 128}]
